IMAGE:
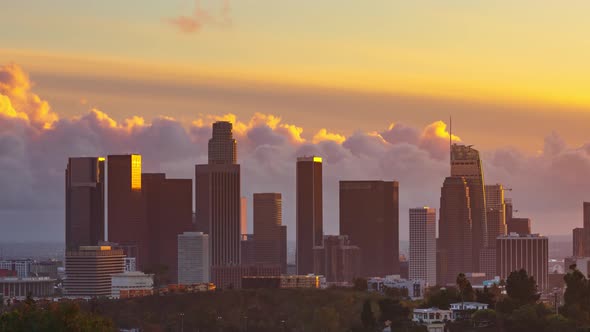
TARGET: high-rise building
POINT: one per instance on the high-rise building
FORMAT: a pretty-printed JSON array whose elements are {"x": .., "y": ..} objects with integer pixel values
[
  {"x": 84, "y": 202},
  {"x": 578, "y": 242},
  {"x": 466, "y": 163},
  {"x": 509, "y": 208},
  {"x": 244, "y": 215},
  {"x": 247, "y": 250},
  {"x": 217, "y": 196},
  {"x": 523, "y": 251},
  {"x": 519, "y": 225},
  {"x": 496, "y": 213},
  {"x": 222, "y": 146},
  {"x": 586, "y": 245},
  {"x": 169, "y": 209},
  {"x": 126, "y": 222},
  {"x": 270, "y": 240},
  {"x": 193, "y": 258},
  {"x": 89, "y": 270},
  {"x": 369, "y": 215},
  {"x": 309, "y": 211},
  {"x": 337, "y": 260},
  {"x": 455, "y": 230},
  {"x": 422, "y": 264}
]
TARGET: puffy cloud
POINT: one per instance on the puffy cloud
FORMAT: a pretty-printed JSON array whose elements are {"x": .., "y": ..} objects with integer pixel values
[
  {"x": 547, "y": 186},
  {"x": 202, "y": 17},
  {"x": 17, "y": 100}
]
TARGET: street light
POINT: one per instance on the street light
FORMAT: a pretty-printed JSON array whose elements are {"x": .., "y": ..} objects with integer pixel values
[
  {"x": 181, "y": 322},
  {"x": 219, "y": 318},
  {"x": 246, "y": 319},
  {"x": 284, "y": 324}
]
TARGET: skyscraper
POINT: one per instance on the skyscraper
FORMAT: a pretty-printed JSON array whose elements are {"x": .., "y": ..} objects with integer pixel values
[
  {"x": 465, "y": 162},
  {"x": 169, "y": 211},
  {"x": 519, "y": 226},
  {"x": 527, "y": 251},
  {"x": 369, "y": 215},
  {"x": 244, "y": 215},
  {"x": 126, "y": 222},
  {"x": 578, "y": 242},
  {"x": 337, "y": 260},
  {"x": 586, "y": 245},
  {"x": 454, "y": 229},
  {"x": 193, "y": 258},
  {"x": 309, "y": 211},
  {"x": 496, "y": 218},
  {"x": 217, "y": 196},
  {"x": 270, "y": 240},
  {"x": 423, "y": 244},
  {"x": 84, "y": 202}
]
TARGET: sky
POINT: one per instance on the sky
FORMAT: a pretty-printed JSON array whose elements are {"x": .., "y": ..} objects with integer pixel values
[{"x": 368, "y": 85}]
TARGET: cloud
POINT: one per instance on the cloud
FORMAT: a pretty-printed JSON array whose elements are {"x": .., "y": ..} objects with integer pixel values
[
  {"x": 201, "y": 18},
  {"x": 548, "y": 186}
]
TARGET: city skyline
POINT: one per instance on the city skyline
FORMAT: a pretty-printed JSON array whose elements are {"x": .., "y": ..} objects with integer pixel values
[{"x": 374, "y": 115}]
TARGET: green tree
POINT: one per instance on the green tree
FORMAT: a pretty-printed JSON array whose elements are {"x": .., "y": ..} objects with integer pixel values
[
  {"x": 521, "y": 287},
  {"x": 441, "y": 297},
  {"x": 394, "y": 311},
  {"x": 488, "y": 295},
  {"x": 465, "y": 289},
  {"x": 360, "y": 284},
  {"x": 396, "y": 293},
  {"x": 367, "y": 316},
  {"x": 326, "y": 319}
]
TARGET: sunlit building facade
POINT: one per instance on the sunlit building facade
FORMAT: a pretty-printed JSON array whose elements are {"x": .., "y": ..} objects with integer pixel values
[
  {"x": 455, "y": 230},
  {"x": 466, "y": 163}
]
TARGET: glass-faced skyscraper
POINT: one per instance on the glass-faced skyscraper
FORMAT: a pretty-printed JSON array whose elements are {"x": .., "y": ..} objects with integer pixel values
[
  {"x": 309, "y": 213},
  {"x": 217, "y": 196},
  {"x": 465, "y": 162},
  {"x": 423, "y": 244}
]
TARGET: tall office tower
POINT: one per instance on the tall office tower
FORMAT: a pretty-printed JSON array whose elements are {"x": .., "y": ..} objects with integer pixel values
[
  {"x": 423, "y": 244},
  {"x": 126, "y": 222},
  {"x": 247, "y": 249},
  {"x": 89, "y": 270},
  {"x": 465, "y": 162},
  {"x": 586, "y": 207},
  {"x": 243, "y": 215},
  {"x": 217, "y": 196},
  {"x": 454, "y": 229},
  {"x": 223, "y": 148},
  {"x": 193, "y": 258},
  {"x": 309, "y": 211},
  {"x": 578, "y": 242},
  {"x": 84, "y": 202},
  {"x": 509, "y": 208},
  {"x": 529, "y": 252},
  {"x": 270, "y": 246},
  {"x": 369, "y": 215},
  {"x": 337, "y": 259},
  {"x": 169, "y": 209},
  {"x": 519, "y": 225},
  {"x": 496, "y": 213}
]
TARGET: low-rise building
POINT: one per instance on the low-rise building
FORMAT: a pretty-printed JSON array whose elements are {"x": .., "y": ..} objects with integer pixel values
[
  {"x": 131, "y": 284},
  {"x": 433, "y": 318},
  {"x": 415, "y": 288},
  {"x": 230, "y": 276},
  {"x": 89, "y": 270},
  {"x": 284, "y": 281},
  {"x": 15, "y": 287},
  {"x": 22, "y": 267},
  {"x": 463, "y": 310}
]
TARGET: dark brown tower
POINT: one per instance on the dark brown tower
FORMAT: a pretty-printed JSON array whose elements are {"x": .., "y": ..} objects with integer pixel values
[
  {"x": 84, "y": 202},
  {"x": 454, "y": 243},
  {"x": 369, "y": 215},
  {"x": 169, "y": 211},
  {"x": 270, "y": 241},
  {"x": 586, "y": 229},
  {"x": 309, "y": 211}
]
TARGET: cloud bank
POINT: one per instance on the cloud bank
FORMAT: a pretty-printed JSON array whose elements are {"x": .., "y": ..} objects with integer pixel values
[{"x": 35, "y": 143}]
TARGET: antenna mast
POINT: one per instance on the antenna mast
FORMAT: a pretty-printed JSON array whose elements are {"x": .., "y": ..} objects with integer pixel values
[{"x": 451, "y": 138}]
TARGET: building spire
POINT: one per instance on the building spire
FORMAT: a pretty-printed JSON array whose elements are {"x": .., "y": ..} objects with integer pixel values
[{"x": 451, "y": 138}]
